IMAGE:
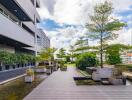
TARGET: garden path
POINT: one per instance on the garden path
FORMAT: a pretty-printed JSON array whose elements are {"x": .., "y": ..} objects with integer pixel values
[{"x": 61, "y": 86}]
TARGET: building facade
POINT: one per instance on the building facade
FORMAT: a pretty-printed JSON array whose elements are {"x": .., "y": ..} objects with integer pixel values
[
  {"x": 18, "y": 26},
  {"x": 42, "y": 41},
  {"x": 126, "y": 57}
]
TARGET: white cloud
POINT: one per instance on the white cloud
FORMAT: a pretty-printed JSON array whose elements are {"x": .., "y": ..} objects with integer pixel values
[
  {"x": 75, "y": 12},
  {"x": 121, "y": 5},
  {"x": 125, "y": 36}
]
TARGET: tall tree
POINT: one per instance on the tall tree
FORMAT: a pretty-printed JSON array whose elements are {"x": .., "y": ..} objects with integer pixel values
[
  {"x": 102, "y": 26},
  {"x": 61, "y": 53}
]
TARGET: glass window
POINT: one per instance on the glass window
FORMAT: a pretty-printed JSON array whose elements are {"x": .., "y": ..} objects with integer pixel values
[
  {"x": 38, "y": 40},
  {"x": 7, "y": 67},
  {"x": 0, "y": 68},
  {"x": 6, "y": 14},
  {"x": 1, "y": 10}
]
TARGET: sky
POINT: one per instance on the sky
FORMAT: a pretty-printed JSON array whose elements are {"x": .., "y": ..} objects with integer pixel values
[{"x": 64, "y": 20}]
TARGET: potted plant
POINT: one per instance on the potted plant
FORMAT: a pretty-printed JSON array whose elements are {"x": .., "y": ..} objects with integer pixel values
[
  {"x": 56, "y": 65},
  {"x": 48, "y": 69},
  {"x": 29, "y": 75},
  {"x": 47, "y": 55},
  {"x": 63, "y": 68}
]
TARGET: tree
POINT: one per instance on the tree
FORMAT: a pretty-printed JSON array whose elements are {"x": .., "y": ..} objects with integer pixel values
[
  {"x": 102, "y": 26},
  {"x": 47, "y": 54},
  {"x": 80, "y": 41},
  {"x": 61, "y": 53},
  {"x": 113, "y": 52},
  {"x": 67, "y": 57}
]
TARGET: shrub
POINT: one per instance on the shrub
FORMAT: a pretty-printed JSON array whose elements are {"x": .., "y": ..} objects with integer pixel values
[
  {"x": 124, "y": 67},
  {"x": 29, "y": 72},
  {"x": 7, "y": 58},
  {"x": 61, "y": 62},
  {"x": 86, "y": 60},
  {"x": 63, "y": 68},
  {"x": 114, "y": 58}
]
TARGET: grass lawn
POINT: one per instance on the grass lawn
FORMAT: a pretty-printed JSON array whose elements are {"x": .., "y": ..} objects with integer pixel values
[
  {"x": 71, "y": 65},
  {"x": 18, "y": 89}
]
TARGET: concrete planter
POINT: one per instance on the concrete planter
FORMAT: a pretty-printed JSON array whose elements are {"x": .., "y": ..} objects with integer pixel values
[
  {"x": 63, "y": 69},
  {"x": 40, "y": 70},
  {"x": 55, "y": 69},
  {"x": 96, "y": 76},
  {"x": 105, "y": 72},
  {"x": 48, "y": 71},
  {"x": 102, "y": 73},
  {"x": 115, "y": 81},
  {"x": 29, "y": 79}
]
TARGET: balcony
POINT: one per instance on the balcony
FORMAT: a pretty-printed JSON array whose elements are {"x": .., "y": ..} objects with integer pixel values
[
  {"x": 28, "y": 8},
  {"x": 23, "y": 9},
  {"x": 12, "y": 30},
  {"x": 30, "y": 25},
  {"x": 15, "y": 9}
]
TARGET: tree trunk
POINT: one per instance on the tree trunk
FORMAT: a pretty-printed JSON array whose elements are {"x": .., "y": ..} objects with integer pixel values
[{"x": 101, "y": 50}]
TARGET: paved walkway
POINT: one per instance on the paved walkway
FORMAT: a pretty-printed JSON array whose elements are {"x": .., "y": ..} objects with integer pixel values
[{"x": 61, "y": 86}]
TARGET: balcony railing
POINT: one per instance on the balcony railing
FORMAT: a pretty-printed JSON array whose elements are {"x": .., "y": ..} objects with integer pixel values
[{"x": 12, "y": 29}]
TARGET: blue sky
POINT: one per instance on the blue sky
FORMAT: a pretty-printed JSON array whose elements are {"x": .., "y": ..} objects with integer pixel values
[
  {"x": 64, "y": 20},
  {"x": 127, "y": 17},
  {"x": 51, "y": 25}
]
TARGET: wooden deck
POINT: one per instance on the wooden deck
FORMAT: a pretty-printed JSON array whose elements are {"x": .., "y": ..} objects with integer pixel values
[{"x": 61, "y": 86}]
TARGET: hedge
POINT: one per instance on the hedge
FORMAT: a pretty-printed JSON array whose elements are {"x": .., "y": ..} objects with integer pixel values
[{"x": 7, "y": 58}]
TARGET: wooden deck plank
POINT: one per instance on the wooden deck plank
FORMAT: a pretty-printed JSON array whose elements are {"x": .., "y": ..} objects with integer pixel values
[{"x": 61, "y": 86}]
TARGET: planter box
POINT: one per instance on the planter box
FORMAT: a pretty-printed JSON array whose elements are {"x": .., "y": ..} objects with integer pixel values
[
  {"x": 102, "y": 73},
  {"x": 105, "y": 72},
  {"x": 115, "y": 81},
  {"x": 40, "y": 70},
  {"x": 48, "y": 71},
  {"x": 55, "y": 68},
  {"x": 29, "y": 79},
  {"x": 96, "y": 76},
  {"x": 63, "y": 69},
  {"x": 81, "y": 78}
]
